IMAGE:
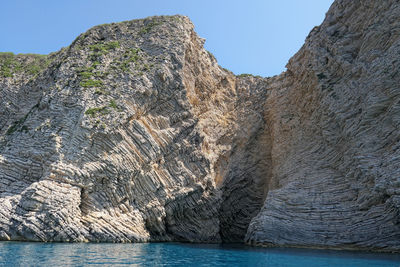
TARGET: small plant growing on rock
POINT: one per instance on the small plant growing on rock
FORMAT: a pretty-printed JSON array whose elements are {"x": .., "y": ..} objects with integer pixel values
[
  {"x": 147, "y": 28},
  {"x": 91, "y": 83},
  {"x": 248, "y": 75},
  {"x": 11, "y": 64},
  {"x": 104, "y": 47},
  {"x": 93, "y": 112},
  {"x": 113, "y": 104}
]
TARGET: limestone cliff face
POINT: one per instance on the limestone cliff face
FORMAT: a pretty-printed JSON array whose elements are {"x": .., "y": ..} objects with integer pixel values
[
  {"x": 134, "y": 134},
  {"x": 334, "y": 121},
  {"x": 105, "y": 145}
]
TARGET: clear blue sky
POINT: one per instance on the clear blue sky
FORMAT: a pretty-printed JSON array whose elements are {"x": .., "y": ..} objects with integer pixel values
[{"x": 253, "y": 36}]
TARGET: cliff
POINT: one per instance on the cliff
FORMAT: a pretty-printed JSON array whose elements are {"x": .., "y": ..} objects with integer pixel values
[{"x": 134, "y": 133}]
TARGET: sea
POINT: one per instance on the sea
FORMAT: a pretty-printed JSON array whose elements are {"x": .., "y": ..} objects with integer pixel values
[{"x": 181, "y": 254}]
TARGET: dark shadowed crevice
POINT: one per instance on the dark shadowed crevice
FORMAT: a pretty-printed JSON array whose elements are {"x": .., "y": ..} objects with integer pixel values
[{"x": 245, "y": 186}]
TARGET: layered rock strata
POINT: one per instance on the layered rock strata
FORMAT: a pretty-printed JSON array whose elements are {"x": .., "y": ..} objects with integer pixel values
[
  {"x": 134, "y": 133},
  {"x": 334, "y": 122}
]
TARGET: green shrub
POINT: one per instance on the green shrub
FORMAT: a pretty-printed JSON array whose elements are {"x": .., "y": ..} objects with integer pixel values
[
  {"x": 5, "y": 72},
  {"x": 95, "y": 64},
  {"x": 147, "y": 28},
  {"x": 93, "y": 112},
  {"x": 104, "y": 47},
  {"x": 11, "y": 64},
  {"x": 130, "y": 56},
  {"x": 7, "y": 54},
  {"x": 248, "y": 75},
  {"x": 97, "y": 48},
  {"x": 90, "y": 83},
  {"x": 100, "y": 92},
  {"x": 112, "y": 45},
  {"x": 85, "y": 75},
  {"x": 113, "y": 104},
  {"x": 244, "y": 75},
  {"x": 146, "y": 67},
  {"x": 210, "y": 54}
]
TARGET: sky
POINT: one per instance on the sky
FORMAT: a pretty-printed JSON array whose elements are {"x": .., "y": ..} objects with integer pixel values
[{"x": 252, "y": 36}]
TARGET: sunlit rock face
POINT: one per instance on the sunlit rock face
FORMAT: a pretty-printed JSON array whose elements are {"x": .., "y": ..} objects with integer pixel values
[
  {"x": 134, "y": 133},
  {"x": 107, "y": 143}
]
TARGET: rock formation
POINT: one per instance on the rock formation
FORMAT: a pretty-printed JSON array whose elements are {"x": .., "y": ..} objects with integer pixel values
[
  {"x": 334, "y": 120},
  {"x": 134, "y": 133}
]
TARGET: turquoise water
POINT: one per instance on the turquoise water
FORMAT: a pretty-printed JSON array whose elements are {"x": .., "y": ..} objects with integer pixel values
[{"x": 177, "y": 254}]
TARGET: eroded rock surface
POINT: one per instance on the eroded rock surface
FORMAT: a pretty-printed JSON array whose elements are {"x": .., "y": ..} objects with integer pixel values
[
  {"x": 134, "y": 134},
  {"x": 334, "y": 123},
  {"x": 105, "y": 144}
]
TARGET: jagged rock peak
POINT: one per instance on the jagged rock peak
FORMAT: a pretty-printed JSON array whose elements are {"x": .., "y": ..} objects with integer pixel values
[{"x": 118, "y": 139}]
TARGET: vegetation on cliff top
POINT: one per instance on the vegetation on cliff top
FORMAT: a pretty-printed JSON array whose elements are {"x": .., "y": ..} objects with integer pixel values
[
  {"x": 248, "y": 75},
  {"x": 31, "y": 64}
]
